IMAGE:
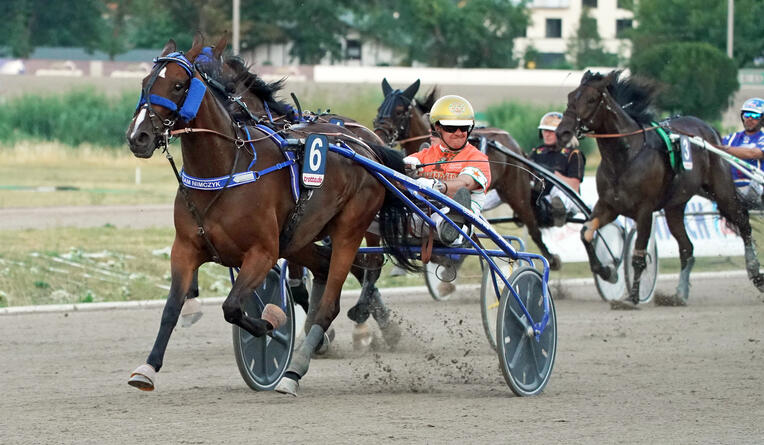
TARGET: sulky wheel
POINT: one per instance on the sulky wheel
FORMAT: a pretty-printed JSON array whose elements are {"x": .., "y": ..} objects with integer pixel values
[
  {"x": 609, "y": 246},
  {"x": 440, "y": 276},
  {"x": 262, "y": 361},
  {"x": 489, "y": 301},
  {"x": 525, "y": 361},
  {"x": 650, "y": 275}
]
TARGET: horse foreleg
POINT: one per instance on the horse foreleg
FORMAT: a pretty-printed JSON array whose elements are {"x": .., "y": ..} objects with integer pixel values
[
  {"x": 253, "y": 270},
  {"x": 192, "y": 308},
  {"x": 183, "y": 264},
  {"x": 675, "y": 221},
  {"x": 638, "y": 260},
  {"x": 601, "y": 217}
]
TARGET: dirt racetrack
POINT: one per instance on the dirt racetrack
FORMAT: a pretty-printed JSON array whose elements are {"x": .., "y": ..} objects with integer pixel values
[{"x": 659, "y": 375}]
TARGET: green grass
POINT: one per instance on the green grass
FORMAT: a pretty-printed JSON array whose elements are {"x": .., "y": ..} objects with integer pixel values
[
  {"x": 70, "y": 265},
  {"x": 84, "y": 176}
]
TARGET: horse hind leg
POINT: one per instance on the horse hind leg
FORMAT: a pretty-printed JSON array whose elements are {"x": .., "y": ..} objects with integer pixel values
[
  {"x": 731, "y": 208},
  {"x": 675, "y": 221},
  {"x": 524, "y": 212}
]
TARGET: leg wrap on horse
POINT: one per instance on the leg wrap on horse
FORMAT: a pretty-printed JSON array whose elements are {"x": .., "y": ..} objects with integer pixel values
[
  {"x": 683, "y": 288},
  {"x": 315, "y": 297},
  {"x": 751, "y": 261},
  {"x": 301, "y": 357},
  {"x": 360, "y": 312},
  {"x": 638, "y": 263}
]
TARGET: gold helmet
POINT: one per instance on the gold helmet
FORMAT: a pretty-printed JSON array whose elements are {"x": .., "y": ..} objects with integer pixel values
[
  {"x": 452, "y": 110},
  {"x": 550, "y": 121}
]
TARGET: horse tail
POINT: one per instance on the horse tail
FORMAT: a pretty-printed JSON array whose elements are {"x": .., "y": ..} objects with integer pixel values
[{"x": 395, "y": 216}]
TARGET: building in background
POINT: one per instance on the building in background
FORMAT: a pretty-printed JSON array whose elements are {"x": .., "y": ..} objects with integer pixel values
[{"x": 555, "y": 22}]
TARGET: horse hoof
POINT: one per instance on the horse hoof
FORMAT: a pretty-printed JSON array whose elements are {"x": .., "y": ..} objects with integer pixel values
[
  {"x": 669, "y": 300},
  {"x": 623, "y": 305},
  {"x": 554, "y": 262},
  {"x": 328, "y": 339},
  {"x": 361, "y": 337},
  {"x": 287, "y": 386},
  {"x": 143, "y": 378},
  {"x": 274, "y": 315},
  {"x": 191, "y": 312},
  {"x": 392, "y": 334},
  {"x": 445, "y": 288}
]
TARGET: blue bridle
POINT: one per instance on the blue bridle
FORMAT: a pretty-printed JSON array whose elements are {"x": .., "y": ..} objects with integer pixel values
[{"x": 194, "y": 93}]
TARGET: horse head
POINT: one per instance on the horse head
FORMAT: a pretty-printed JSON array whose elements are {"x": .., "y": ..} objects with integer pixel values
[
  {"x": 394, "y": 115},
  {"x": 586, "y": 105},
  {"x": 170, "y": 97}
]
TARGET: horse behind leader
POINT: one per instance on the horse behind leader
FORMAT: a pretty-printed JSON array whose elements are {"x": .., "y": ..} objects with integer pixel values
[
  {"x": 635, "y": 177},
  {"x": 244, "y": 226},
  {"x": 400, "y": 118}
]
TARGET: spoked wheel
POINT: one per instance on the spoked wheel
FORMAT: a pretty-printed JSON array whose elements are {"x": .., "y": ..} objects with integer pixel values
[
  {"x": 650, "y": 275},
  {"x": 525, "y": 361},
  {"x": 262, "y": 361},
  {"x": 440, "y": 277},
  {"x": 609, "y": 246},
  {"x": 489, "y": 300}
]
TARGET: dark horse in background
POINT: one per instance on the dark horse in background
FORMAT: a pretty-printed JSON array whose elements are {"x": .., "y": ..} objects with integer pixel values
[
  {"x": 636, "y": 179},
  {"x": 244, "y": 226},
  {"x": 401, "y": 119}
]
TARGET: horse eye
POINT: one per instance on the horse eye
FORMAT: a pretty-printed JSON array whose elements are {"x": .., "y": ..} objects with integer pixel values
[{"x": 178, "y": 86}]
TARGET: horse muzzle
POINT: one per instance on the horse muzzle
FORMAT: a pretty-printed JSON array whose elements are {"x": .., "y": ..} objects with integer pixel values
[{"x": 142, "y": 144}]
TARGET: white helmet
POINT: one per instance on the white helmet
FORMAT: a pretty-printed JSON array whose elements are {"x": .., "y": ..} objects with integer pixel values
[
  {"x": 550, "y": 121},
  {"x": 754, "y": 104}
]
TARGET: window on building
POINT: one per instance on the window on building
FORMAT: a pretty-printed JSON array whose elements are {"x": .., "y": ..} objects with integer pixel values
[
  {"x": 625, "y": 4},
  {"x": 554, "y": 28},
  {"x": 621, "y": 27},
  {"x": 353, "y": 50},
  {"x": 589, "y": 3}
]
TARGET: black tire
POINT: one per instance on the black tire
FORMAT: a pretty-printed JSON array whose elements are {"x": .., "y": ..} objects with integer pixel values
[
  {"x": 262, "y": 361},
  {"x": 525, "y": 362},
  {"x": 649, "y": 277},
  {"x": 609, "y": 246}
]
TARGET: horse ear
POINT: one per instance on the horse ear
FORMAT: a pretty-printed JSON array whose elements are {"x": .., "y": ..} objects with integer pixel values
[
  {"x": 386, "y": 88},
  {"x": 612, "y": 77},
  {"x": 217, "y": 51},
  {"x": 169, "y": 47},
  {"x": 411, "y": 90},
  {"x": 196, "y": 47}
]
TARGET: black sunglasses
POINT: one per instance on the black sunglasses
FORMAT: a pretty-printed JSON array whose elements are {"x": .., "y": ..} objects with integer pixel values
[{"x": 453, "y": 128}]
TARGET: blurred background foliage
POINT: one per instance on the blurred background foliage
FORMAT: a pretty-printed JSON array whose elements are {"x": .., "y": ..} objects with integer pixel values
[{"x": 678, "y": 43}]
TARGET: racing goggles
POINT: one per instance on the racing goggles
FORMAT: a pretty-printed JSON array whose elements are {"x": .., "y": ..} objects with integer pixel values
[
  {"x": 453, "y": 128},
  {"x": 748, "y": 115}
]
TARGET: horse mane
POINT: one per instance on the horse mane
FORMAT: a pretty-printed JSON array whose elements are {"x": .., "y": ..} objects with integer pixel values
[
  {"x": 425, "y": 105},
  {"x": 635, "y": 95},
  {"x": 239, "y": 76}
]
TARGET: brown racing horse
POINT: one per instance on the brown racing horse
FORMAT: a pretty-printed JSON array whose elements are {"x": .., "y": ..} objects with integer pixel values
[
  {"x": 252, "y": 100},
  {"x": 636, "y": 179},
  {"x": 401, "y": 119},
  {"x": 244, "y": 226}
]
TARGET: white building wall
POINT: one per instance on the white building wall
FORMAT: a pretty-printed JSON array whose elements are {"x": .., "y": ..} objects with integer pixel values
[{"x": 569, "y": 11}]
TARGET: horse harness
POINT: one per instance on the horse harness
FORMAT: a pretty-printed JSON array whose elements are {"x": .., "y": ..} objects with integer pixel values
[{"x": 290, "y": 147}]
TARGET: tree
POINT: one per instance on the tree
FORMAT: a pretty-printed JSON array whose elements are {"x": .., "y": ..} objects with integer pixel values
[
  {"x": 696, "y": 78},
  {"x": 34, "y": 23},
  {"x": 449, "y": 33},
  {"x": 586, "y": 47},
  {"x": 663, "y": 21}
]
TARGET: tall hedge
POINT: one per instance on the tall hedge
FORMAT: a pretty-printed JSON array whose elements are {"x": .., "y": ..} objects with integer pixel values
[{"x": 695, "y": 78}]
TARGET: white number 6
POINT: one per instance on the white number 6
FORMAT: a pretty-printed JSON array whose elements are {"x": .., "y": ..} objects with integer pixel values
[{"x": 315, "y": 154}]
